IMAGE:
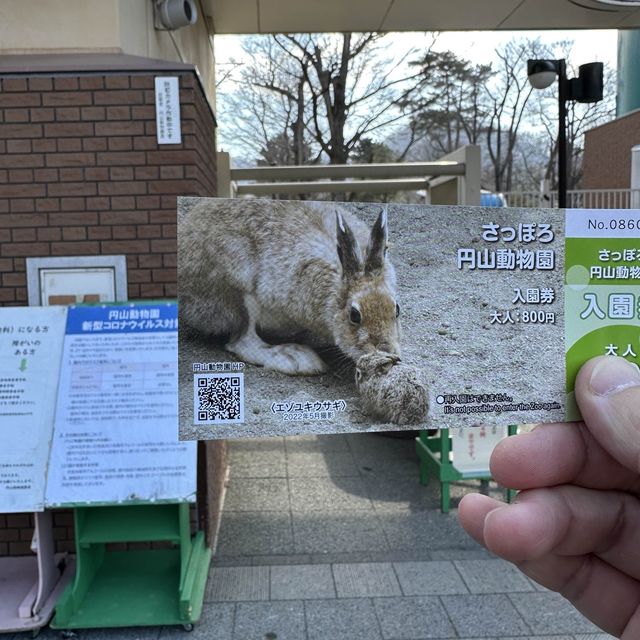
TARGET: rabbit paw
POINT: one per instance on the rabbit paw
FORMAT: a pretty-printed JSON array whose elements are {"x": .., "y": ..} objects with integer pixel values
[
  {"x": 293, "y": 359},
  {"x": 296, "y": 359}
]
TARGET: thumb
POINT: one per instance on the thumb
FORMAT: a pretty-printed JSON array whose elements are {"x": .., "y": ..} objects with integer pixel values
[{"x": 608, "y": 394}]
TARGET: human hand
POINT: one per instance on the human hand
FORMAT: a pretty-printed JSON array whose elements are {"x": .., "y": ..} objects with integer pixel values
[{"x": 575, "y": 525}]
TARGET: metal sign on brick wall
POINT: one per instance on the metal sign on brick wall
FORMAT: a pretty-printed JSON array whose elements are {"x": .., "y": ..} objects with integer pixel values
[{"x": 168, "y": 110}]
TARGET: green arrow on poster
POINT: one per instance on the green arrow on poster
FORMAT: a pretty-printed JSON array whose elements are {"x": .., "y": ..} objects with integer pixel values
[{"x": 23, "y": 364}]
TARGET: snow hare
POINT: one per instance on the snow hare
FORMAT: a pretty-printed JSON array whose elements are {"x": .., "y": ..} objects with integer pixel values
[
  {"x": 391, "y": 391},
  {"x": 249, "y": 269}
]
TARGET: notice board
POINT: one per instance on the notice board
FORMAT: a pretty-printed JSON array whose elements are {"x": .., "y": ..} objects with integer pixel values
[
  {"x": 30, "y": 347},
  {"x": 103, "y": 420}
]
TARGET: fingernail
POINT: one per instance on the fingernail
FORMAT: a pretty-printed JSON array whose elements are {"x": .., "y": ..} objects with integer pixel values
[{"x": 612, "y": 375}]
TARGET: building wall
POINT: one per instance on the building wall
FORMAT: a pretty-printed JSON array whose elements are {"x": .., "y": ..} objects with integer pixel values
[
  {"x": 607, "y": 153},
  {"x": 81, "y": 173},
  {"x": 104, "y": 26}
]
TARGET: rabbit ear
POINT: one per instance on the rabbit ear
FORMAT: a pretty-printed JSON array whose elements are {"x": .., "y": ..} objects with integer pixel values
[
  {"x": 377, "y": 244},
  {"x": 348, "y": 249}
]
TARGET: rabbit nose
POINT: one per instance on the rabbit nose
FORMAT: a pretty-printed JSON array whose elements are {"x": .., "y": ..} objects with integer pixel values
[{"x": 388, "y": 348}]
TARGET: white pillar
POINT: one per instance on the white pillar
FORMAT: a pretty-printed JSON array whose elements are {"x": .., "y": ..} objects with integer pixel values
[
  {"x": 226, "y": 186},
  {"x": 545, "y": 193}
]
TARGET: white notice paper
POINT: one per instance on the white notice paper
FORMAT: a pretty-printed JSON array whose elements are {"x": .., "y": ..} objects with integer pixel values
[
  {"x": 30, "y": 348},
  {"x": 116, "y": 427}
]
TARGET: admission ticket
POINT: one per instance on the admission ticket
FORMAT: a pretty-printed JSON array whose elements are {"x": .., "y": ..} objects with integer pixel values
[{"x": 493, "y": 310}]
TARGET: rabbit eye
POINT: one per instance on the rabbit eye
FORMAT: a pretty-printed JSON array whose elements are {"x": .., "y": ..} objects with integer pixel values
[
  {"x": 354, "y": 315},
  {"x": 397, "y": 309}
]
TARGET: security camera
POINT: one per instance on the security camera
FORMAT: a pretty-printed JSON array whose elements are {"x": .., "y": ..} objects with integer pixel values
[
  {"x": 174, "y": 14},
  {"x": 541, "y": 73}
]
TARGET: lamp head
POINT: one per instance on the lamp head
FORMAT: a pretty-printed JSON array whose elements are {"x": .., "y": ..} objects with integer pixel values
[{"x": 542, "y": 73}]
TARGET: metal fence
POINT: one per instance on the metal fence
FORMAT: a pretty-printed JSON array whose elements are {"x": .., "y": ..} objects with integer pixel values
[
  {"x": 454, "y": 179},
  {"x": 577, "y": 199}
]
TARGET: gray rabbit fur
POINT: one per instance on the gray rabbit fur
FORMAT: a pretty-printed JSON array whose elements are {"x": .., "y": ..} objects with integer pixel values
[
  {"x": 390, "y": 390},
  {"x": 250, "y": 268}
]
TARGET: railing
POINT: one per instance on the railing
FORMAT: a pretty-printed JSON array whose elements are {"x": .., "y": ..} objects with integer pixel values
[
  {"x": 577, "y": 199},
  {"x": 455, "y": 179}
]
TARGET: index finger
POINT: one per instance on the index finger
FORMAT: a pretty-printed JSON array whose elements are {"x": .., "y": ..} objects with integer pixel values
[{"x": 553, "y": 454}]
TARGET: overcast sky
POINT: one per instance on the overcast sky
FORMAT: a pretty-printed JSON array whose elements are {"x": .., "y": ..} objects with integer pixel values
[{"x": 590, "y": 45}]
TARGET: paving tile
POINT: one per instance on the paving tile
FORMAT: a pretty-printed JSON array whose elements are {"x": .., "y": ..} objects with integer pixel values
[
  {"x": 342, "y": 620},
  {"x": 484, "y": 615},
  {"x": 378, "y": 444},
  {"x": 402, "y": 555},
  {"x": 548, "y": 613},
  {"x": 46, "y": 633},
  {"x": 257, "y": 494},
  {"x": 260, "y": 620},
  {"x": 410, "y": 555},
  {"x": 492, "y": 576},
  {"x": 231, "y": 584},
  {"x": 429, "y": 578},
  {"x": 376, "y": 465},
  {"x": 321, "y": 464},
  {"x": 401, "y": 494},
  {"x": 256, "y": 464},
  {"x": 255, "y": 533},
  {"x": 328, "y": 494},
  {"x": 302, "y": 582},
  {"x": 216, "y": 618},
  {"x": 261, "y": 445},
  {"x": 263, "y": 560},
  {"x": 425, "y": 529},
  {"x": 413, "y": 618},
  {"x": 365, "y": 579},
  {"x": 121, "y": 633},
  {"x": 315, "y": 443},
  {"x": 461, "y": 554},
  {"x": 342, "y": 557},
  {"x": 591, "y": 636},
  {"x": 337, "y": 531}
]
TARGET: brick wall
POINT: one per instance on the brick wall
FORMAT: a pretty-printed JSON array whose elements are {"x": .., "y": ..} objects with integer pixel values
[
  {"x": 81, "y": 173},
  {"x": 607, "y": 153}
]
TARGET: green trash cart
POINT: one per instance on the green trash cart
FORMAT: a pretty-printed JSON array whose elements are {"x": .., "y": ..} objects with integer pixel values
[{"x": 136, "y": 587}]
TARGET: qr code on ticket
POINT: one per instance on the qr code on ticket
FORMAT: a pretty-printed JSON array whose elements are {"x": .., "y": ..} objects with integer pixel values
[{"x": 218, "y": 398}]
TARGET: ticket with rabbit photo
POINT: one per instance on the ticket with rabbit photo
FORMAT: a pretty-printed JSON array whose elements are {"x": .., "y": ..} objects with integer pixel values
[{"x": 301, "y": 317}]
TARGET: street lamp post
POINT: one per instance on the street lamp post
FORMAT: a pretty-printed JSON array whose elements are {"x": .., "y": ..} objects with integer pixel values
[{"x": 587, "y": 87}]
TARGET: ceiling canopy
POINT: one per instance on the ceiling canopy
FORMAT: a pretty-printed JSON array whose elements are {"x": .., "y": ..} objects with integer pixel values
[{"x": 281, "y": 16}]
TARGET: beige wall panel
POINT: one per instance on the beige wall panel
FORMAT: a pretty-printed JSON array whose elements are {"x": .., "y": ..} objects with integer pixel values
[
  {"x": 233, "y": 16},
  {"x": 33, "y": 26},
  {"x": 241, "y": 16},
  {"x": 629, "y": 20},
  {"x": 546, "y": 14},
  {"x": 450, "y": 15},
  {"x": 320, "y": 15},
  {"x": 192, "y": 44}
]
